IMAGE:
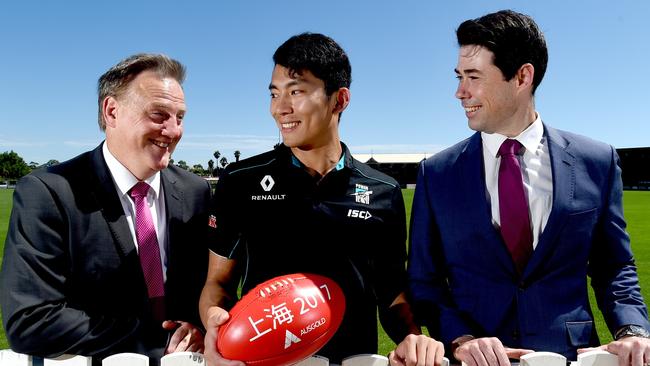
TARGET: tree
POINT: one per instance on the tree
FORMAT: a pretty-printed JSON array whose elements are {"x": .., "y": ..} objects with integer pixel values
[
  {"x": 12, "y": 166},
  {"x": 171, "y": 161},
  {"x": 51, "y": 162},
  {"x": 216, "y": 155},
  {"x": 198, "y": 169},
  {"x": 182, "y": 164},
  {"x": 211, "y": 167},
  {"x": 33, "y": 165},
  {"x": 237, "y": 155},
  {"x": 223, "y": 162}
]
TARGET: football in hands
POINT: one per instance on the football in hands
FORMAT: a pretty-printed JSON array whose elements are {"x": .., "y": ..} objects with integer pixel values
[{"x": 283, "y": 320}]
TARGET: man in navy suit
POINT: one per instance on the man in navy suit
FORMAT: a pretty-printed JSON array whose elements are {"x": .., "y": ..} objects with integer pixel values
[
  {"x": 72, "y": 279},
  {"x": 488, "y": 303}
]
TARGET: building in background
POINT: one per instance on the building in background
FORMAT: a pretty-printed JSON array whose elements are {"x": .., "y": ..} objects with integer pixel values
[
  {"x": 635, "y": 163},
  {"x": 402, "y": 167}
]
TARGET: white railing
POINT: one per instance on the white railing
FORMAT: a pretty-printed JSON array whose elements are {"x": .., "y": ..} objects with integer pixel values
[{"x": 10, "y": 358}]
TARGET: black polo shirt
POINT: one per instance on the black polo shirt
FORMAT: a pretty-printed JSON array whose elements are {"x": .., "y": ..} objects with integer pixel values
[{"x": 274, "y": 218}]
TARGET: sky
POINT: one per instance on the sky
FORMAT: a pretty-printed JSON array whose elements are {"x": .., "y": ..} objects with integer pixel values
[{"x": 403, "y": 54}]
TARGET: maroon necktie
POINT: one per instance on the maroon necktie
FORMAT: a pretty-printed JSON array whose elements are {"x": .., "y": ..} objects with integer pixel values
[
  {"x": 513, "y": 208},
  {"x": 148, "y": 249}
]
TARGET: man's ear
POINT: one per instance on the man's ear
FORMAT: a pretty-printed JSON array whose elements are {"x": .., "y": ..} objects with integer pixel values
[
  {"x": 109, "y": 110},
  {"x": 342, "y": 100},
  {"x": 525, "y": 76}
]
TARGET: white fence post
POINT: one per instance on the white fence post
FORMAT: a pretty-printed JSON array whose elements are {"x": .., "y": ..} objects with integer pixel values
[
  {"x": 314, "y": 361},
  {"x": 11, "y": 358},
  {"x": 597, "y": 358},
  {"x": 68, "y": 360},
  {"x": 542, "y": 359},
  {"x": 183, "y": 359},
  {"x": 126, "y": 359},
  {"x": 365, "y": 360}
]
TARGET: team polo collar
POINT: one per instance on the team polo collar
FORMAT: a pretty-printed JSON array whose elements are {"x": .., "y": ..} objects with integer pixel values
[{"x": 345, "y": 160}]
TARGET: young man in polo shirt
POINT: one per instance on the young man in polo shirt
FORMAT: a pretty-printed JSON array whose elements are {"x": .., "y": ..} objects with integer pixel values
[{"x": 308, "y": 206}]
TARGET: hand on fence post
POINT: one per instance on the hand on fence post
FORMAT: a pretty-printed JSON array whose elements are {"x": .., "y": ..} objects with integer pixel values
[{"x": 185, "y": 337}]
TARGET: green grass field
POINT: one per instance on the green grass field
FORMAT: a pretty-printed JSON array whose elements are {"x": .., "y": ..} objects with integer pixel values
[
  {"x": 5, "y": 209},
  {"x": 637, "y": 214}
]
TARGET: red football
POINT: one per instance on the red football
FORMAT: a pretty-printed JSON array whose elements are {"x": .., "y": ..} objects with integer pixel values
[{"x": 283, "y": 320}]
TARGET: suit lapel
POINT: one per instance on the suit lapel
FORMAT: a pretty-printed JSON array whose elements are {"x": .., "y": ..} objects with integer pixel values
[
  {"x": 106, "y": 194},
  {"x": 562, "y": 168},
  {"x": 473, "y": 180},
  {"x": 173, "y": 208}
]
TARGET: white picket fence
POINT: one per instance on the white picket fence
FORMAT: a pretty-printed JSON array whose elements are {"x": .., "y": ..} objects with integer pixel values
[{"x": 10, "y": 358}]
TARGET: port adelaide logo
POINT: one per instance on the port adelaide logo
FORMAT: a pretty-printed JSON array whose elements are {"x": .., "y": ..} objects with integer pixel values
[
  {"x": 267, "y": 184},
  {"x": 361, "y": 194}
]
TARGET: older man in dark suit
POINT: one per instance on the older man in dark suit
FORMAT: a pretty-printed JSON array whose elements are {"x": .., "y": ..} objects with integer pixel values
[{"x": 105, "y": 252}]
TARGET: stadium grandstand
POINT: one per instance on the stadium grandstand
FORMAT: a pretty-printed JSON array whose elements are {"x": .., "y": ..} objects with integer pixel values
[{"x": 635, "y": 163}]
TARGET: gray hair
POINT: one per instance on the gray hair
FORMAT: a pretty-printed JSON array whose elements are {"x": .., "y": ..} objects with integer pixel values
[{"x": 116, "y": 80}]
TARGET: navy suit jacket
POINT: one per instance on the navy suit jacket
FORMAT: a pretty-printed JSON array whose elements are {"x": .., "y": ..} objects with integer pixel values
[
  {"x": 71, "y": 279},
  {"x": 463, "y": 280}
]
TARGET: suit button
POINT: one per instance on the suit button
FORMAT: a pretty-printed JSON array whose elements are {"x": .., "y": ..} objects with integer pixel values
[{"x": 515, "y": 335}]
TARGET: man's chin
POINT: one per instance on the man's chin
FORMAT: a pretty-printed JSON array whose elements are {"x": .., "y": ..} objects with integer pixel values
[
  {"x": 475, "y": 125},
  {"x": 160, "y": 164}
]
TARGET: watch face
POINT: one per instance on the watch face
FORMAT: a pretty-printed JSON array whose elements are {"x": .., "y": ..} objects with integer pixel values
[{"x": 638, "y": 331}]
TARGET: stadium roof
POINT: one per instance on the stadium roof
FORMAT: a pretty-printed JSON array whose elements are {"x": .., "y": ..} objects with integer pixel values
[{"x": 392, "y": 158}]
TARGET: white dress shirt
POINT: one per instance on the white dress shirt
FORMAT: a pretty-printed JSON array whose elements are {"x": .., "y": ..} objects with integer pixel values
[
  {"x": 536, "y": 171},
  {"x": 124, "y": 181}
]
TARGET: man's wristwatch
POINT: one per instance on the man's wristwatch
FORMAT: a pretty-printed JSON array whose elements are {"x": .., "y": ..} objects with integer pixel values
[{"x": 631, "y": 331}]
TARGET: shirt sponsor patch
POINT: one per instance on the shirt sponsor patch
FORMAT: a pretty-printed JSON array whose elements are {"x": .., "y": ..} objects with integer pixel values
[{"x": 267, "y": 183}]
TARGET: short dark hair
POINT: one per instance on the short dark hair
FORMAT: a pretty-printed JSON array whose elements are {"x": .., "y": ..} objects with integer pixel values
[
  {"x": 513, "y": 38},
  {"x": 115, "y": 81},
  {"x": 320, "y": 55}
]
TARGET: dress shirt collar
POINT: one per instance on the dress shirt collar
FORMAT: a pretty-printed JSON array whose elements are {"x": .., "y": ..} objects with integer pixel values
[
  {"x": 123, "y": 178},
  {"x": 530, "y": 138}
]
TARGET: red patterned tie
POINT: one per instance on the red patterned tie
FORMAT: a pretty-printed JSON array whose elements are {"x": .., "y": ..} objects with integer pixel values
[
  {"x": 148, "y": 249},
  {"x": 513, "y": 207}
]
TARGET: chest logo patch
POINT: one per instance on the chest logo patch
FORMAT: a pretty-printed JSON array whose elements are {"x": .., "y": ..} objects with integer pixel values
[
  {"x": 267, "y": 183},
  {"x": 361, "y": 194}
]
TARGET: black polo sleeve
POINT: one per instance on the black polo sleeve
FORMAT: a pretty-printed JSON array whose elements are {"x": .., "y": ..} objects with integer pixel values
[{"x": 226, "y": 237}]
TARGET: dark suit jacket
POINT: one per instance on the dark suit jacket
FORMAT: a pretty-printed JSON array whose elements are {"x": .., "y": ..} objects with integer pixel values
[
  {"x": 71, "y": 278},
  {"x": 464, "y": 281}
]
